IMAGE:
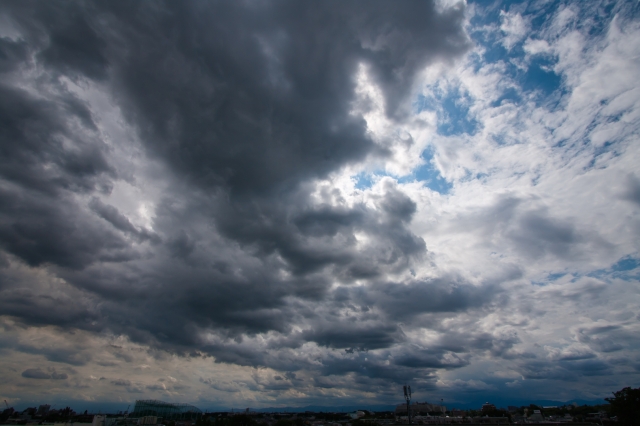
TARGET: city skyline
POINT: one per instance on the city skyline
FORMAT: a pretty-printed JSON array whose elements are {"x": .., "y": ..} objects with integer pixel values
[
  {"x": 296, "y": 203},
  {"x": 129, "y": 408}
]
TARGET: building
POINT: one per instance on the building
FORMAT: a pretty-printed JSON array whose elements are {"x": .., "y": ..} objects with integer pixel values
[
  {"x": 103, "y": 420},
  {"x": 487, "y": 407},
  {"x": 536, "y": 416},
  {"x": 98, "y": 420},
  {"x": 491, "y": 420},
  {"x": 418, "y": 408},
  {"x": 166, "y": 410},
  {"x": 456, "y": 412}
]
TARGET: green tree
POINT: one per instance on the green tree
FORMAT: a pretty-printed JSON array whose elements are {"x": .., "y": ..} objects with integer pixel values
[{"x": 626, "y": 405}]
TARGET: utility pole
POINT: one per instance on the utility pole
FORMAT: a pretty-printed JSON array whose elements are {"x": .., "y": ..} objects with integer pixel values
[{"x": 407, "y": 397}]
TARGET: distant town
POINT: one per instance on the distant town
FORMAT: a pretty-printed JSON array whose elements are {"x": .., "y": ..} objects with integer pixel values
[{"x": 153, "y": 412}]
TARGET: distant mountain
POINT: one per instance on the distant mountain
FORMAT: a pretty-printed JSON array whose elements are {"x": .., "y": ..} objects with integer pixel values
[
  {"x": 326, "y": 409},
  {"x": 476, "y": 404},
  {"x": 391, "y": 407}
]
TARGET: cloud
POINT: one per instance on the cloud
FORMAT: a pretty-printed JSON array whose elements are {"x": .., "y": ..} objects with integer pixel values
[
  {"x": 119, "y": 221},
  {"x": 570, "y": 354},
  {"x": 514, "y": 27},
  {"x": 632, "y": 192},
  {"x": 469, "y": 385},
  {"x": 160, "y": 387},
  {"x": 59, "y": 376},
  {"x": 303, "y": 201},
  {"x": 244, "y": 165},
  {"x": 37, "y": 373}
]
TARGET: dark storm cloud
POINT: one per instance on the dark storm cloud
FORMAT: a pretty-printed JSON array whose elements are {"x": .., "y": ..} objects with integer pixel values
[
  {"x": 259, "y": 99},
  {"x": 59, "y": 376},
  {"x": 430, "y": 359},
  {"x": 309, "y": 239},
  {"x": 255, "y": 98},
  {"x": 37, "y": 373},
  {"x": 397, "y": 363},
  {"x": 379, "y": 370},
  {"x": 50, "y": 145},
  {"x": 350, "y": 334},
  {"x": 43, "y": 301},
  {"x": 74, "y": 46},
  {"x": 566, "y": 365},
  {"x": 439, "y": 295},
  {"x": 50, "y": 149},
  {"x": 606, "y": 338},
  {"x": 72, "y": 356},
  {"x": 253, "y": 302},
  {"x": 42, "y": 230},
  {"x": 119, "y": 221},
  {"x": 12, "y": 54},
  {"x": 245, "y": 103}
]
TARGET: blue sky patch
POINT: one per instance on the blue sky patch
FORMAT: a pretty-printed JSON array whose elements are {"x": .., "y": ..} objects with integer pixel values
[
  {"x": 557, "y": 276},
  {"x": 624, "y": 269},
  {"x": 426, "y": 173},
  {"x": 364, "y": 180},
  {"x": 540, "y": 77},
  {"x": 626, "y": 264},
  {"x": 429, "y": 174},
  {"x": 549, "y": 279},
  {"x": 454, "y": 118},
  {"x": 452, "y": 109},
  {"x": 495, "y": 52},
  {"x": 424, "y": 103},
  {"x": 432, "y": 178}
]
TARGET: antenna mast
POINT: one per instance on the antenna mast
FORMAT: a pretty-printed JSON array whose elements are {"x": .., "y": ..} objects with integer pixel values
[{"x": 407, "y": 397}]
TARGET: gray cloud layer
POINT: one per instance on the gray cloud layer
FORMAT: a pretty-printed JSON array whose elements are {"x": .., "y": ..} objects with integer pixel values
[{"x": 246, "y": 103}]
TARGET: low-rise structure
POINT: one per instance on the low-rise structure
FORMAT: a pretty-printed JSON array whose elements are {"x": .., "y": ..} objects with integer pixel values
[
  {"x": 535, "y": 417},
  {"x": 488, "y": 407},
  {"x": 420, "y": 408},
  {"x": 491, "y": 420}
]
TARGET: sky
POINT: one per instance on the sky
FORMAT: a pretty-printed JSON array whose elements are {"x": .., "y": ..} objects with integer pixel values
[{"x": 290, "y": 203}]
